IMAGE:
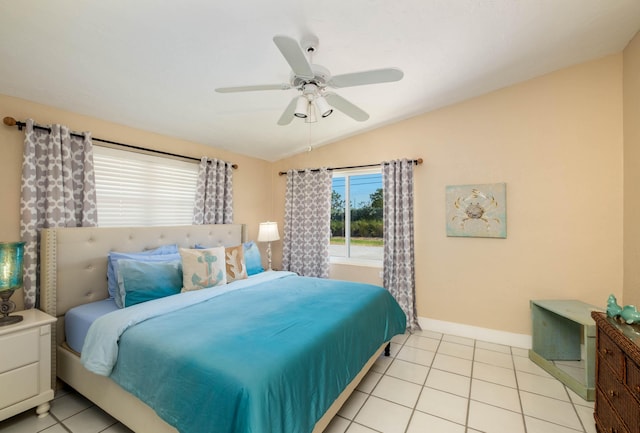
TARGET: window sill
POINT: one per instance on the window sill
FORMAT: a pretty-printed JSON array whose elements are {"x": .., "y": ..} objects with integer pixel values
[{"x": 355, "y": 262}]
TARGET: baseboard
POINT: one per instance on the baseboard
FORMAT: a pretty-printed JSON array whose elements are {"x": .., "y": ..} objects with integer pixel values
[{"x": 477, "y": 333}]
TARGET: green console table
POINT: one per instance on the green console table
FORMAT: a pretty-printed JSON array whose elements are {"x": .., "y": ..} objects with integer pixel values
[{"x": 559, "y": 327}]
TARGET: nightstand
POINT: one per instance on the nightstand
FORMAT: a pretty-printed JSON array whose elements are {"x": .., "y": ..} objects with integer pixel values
[{"x": 25, "y": 364}]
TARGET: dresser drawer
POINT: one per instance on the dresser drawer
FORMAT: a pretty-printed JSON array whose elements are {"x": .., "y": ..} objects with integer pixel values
[
  {"x": 633, "y": 379},
  {"x": 606, "y": 418},
  {"x": 609, "y": 352},
  {"x": 19, "y": 384},
  {"x": 18, "y": 349},
  {"x": 617, "y": 395}
]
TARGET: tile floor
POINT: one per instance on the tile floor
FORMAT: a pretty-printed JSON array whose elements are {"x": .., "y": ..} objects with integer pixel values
[{"x": 431, "y": 383}]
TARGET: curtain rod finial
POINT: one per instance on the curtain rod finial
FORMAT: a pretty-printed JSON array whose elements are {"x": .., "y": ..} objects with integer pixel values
[{"x": 9, "y": 121}]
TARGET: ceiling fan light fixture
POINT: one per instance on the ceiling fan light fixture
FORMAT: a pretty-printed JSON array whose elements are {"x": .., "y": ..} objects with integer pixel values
[
  {"x": 302, "y": 105},
  {"x": 323, "y": 106}
]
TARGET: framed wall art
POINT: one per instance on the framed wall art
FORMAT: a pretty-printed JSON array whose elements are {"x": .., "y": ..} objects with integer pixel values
[{"x": 477, "y": 210}]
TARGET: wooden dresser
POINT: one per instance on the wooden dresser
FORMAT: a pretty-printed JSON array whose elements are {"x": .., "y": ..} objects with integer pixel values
[{"x": 617, "y": 408}]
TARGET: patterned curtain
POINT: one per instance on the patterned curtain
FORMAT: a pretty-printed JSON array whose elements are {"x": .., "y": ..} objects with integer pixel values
[
  {"x": 307, "y": 216},
  {"x": 398, "y": 267},
  {"x": 58, "y": 190},
  {"x": 214, "y": 193}
]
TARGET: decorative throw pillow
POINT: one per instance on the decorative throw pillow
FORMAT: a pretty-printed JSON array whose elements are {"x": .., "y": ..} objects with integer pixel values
[
  {"x": 236, "y": 267},
  {"x": 145, "y": 281},
  {"x": 252, "y": 258},
  {"x": 203, "y": 268}
]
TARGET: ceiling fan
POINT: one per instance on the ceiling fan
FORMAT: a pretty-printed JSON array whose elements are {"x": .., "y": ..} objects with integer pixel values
[{"x": 312, "y": 81}]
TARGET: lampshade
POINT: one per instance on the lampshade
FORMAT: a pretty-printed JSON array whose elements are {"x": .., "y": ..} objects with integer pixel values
[
  {"x": 268, "y": 232},
  {"x": 301, "y": 107},
  {"x": 323, "y": 106},
  {"x": 11, "y": 254}
]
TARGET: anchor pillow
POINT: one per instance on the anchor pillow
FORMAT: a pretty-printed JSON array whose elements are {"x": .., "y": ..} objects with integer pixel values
[{"x": 202, "y": 268}]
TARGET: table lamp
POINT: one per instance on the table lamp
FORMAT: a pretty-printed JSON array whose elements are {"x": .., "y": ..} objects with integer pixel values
[
  {"x": 11, "y": 254},
  {"x": 268, "y": 232}
]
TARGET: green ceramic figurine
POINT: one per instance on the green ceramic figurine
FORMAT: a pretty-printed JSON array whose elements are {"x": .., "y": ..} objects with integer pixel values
[
  {"x": 629, "y": 313},
  {"x": 613, "y": 309}
]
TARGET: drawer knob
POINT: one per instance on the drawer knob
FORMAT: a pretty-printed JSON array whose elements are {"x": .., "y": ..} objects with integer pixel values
[
  {"x": 607, "y": 351},
  {"x": 612, "y": 393}
]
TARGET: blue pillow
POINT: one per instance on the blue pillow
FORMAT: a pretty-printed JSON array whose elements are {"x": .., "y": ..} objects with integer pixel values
[
  {"x": 252, "y": 258},
  {"x": 144, "y": 281},
  {"x": 112, "y": 277},
  {"x": 163, "y": 249}
]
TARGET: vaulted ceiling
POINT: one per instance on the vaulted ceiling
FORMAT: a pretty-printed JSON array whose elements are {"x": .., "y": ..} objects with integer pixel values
[{"x": 155, "y": 65}]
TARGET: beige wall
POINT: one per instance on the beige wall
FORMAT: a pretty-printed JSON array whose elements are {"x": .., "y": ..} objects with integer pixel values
[
  {"x": 252, "y": 188},
  {"x": 557, "y": 143},
  {"x": 631, "y": 173}
]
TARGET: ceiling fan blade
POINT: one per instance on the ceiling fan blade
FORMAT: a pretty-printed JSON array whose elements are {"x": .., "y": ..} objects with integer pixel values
[
  {"x": 293, "y": 54},
  {"x": 283, "y": 86},
  {"x": 373, "y": 76},
  {"x": 287, "y": 116},
  {"x": 346, "y": 107}
]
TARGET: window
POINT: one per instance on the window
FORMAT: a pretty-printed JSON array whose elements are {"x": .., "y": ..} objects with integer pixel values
[
  {"x": 135, "y": 189},
  {"x": 356, "y": 217}
]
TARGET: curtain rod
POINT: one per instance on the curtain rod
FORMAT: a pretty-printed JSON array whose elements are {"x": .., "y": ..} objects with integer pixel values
[
  {"x": 415, "y": 161},
  {"x": 10, "y": 121}
]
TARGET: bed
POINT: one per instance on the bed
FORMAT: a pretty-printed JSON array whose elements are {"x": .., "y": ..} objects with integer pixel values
[{"x": 73, "y": 270}]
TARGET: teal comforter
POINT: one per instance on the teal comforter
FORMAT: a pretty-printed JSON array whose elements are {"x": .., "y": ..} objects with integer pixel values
[{"x": 267, "y": 358}]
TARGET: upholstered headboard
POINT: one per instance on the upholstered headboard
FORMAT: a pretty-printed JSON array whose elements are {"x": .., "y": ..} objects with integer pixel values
[{"x": 73, "y": 268}]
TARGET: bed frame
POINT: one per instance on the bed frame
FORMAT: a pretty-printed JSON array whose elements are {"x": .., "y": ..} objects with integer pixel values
[{"x": 73, "y": 272}]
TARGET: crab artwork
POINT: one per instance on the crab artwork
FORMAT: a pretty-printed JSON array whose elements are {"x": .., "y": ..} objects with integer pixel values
[
  {"x": 476, "y": 210},
  {"x": 476, "y": 206}
]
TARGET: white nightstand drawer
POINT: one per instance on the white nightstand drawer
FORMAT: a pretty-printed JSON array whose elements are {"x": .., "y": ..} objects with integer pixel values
[
  {"x": 18, "y": 349},
  {"x": 19, "y": 384}
]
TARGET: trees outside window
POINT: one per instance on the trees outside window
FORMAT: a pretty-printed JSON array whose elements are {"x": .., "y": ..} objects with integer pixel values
[{"x": 356, "y": 216}]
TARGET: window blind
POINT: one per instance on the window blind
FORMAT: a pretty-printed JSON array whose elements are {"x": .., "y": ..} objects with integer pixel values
[{"x": 134, "y": 189}]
